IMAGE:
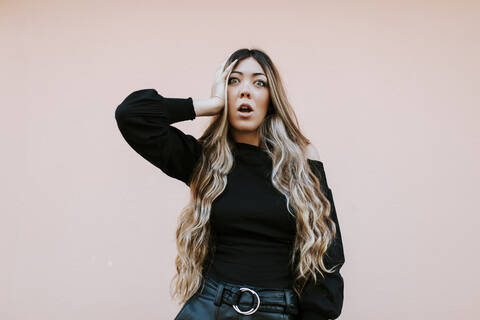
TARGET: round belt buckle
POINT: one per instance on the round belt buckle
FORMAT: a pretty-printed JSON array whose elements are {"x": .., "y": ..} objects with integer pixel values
[{"x": 251, "y": 311}]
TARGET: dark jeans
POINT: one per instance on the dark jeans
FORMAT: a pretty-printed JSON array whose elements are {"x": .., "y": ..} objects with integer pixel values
[{"x": 216, "y": 301}]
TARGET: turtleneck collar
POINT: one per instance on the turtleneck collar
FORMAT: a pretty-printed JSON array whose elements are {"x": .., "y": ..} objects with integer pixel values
[
  {"x": 242, "y": 145},
  {"x": 251, "y": 154}
]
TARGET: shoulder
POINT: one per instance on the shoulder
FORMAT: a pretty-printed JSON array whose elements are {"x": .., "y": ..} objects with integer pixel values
[
  {"x": 312, "y": 152},
  {"x": 315, "y": 162}
]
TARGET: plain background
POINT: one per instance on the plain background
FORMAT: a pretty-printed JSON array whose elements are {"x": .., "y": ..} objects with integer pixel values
[{"x": 387, "y": 91}]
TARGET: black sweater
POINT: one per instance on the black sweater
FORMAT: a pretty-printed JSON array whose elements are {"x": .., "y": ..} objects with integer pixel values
[{"x": 252, "y": 228}]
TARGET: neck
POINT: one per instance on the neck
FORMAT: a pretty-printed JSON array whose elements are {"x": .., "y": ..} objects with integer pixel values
[{"x": 248, "y": 138}]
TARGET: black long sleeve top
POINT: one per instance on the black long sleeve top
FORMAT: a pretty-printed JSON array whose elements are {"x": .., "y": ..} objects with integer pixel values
[{"x": 253, "y": 230}]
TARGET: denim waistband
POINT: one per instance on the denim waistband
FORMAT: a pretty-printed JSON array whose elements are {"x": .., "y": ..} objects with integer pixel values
[{"x": 269, "y": 300}]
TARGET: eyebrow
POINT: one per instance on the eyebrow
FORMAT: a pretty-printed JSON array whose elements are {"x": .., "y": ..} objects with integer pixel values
[{"x": 255, "y": 74}]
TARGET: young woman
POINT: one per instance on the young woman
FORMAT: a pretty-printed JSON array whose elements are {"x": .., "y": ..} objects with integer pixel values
[{"x": 260, "y": 237}]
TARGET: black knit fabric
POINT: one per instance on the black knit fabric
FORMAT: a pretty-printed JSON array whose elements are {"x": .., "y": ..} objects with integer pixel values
[{"x": 253, "y": 230}]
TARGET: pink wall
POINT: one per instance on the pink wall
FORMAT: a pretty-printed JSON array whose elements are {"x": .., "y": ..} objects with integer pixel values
[{"x": 389, "y": 94}]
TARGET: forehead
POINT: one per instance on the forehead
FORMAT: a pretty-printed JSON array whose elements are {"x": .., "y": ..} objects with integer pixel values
[{"x": 248, "y": 66}]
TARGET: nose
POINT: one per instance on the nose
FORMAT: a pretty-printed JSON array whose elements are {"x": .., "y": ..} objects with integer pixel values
[
  {"x": 244, "y": 94},
  {"x": 245, "y": 91}
]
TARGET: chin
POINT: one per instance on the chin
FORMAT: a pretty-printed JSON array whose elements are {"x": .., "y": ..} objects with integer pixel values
[{"x": 245, "y": 126}]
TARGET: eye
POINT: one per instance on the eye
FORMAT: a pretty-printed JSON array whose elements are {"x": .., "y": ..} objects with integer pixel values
[
  {"x": 262, "y": 82},
  {"x": 232, "y": 78}
]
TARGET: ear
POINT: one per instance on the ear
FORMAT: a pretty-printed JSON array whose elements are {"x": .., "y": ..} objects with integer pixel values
[{"x": 312, "y": 152}]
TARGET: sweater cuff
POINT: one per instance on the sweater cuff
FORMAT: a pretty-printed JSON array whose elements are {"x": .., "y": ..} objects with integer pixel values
[{"x": 179, "y": 109}]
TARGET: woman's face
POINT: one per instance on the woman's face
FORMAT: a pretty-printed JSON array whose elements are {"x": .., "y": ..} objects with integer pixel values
[{"x": 247, "y": 83}]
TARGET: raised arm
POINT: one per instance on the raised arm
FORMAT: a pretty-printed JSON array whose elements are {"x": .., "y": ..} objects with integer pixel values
[
  {"x": 144, "y": 119},
  {"x": 324, "y": 300}
]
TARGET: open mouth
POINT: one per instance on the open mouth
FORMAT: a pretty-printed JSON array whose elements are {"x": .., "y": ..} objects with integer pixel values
[{"x": 245, "y": 109}]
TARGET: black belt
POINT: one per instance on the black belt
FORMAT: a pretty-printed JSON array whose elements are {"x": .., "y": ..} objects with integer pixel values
[{"x": 258, "y": 299}]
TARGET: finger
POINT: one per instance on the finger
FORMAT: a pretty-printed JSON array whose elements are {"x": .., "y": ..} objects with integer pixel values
[
  {"x": 227, "y": 71},
  {"x": 229, "y": 68},
  {"x": 223, "y": 63},
  {"x": 220, "y": 70}
]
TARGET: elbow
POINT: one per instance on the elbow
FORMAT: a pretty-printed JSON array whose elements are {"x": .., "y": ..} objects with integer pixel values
[{"x": 121, "y": 114}]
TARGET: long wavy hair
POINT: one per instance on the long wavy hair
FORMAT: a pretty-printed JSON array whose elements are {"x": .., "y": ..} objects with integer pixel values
[{"x": 292, "y": 176}]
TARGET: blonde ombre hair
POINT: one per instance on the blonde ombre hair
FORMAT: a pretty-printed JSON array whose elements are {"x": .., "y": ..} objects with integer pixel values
[{"x": 291, "y": 175}]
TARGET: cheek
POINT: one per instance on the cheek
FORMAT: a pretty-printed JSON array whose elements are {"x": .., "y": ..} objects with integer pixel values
[
  {"x": 230, "y": 92},
  {"x": 265, "y": 100},
  {"x": 232, "y": 98}
]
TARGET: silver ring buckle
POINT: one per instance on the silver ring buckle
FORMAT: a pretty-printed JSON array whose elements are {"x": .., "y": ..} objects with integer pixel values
[{"x": 251, "y": 311}]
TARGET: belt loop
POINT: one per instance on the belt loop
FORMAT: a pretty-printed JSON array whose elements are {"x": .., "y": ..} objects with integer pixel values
[
  {"x": 288, "y": 301},
  {"x": 219, "y": 295}
]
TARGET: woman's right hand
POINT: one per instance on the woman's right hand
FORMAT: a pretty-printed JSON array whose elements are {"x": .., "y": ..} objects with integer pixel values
[{"x": 220, "y": 84}]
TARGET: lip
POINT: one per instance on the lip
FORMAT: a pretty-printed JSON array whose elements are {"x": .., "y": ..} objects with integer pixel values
[
  {"x": 246, "y": 104},
  {"x": 245, "y": 115}
]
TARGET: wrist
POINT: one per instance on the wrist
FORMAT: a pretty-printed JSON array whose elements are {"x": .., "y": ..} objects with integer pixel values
[{"x": 207, "y": 107}]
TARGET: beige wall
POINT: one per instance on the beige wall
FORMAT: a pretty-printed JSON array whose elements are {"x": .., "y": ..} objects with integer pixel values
[{"x": 388, "y": 92}]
